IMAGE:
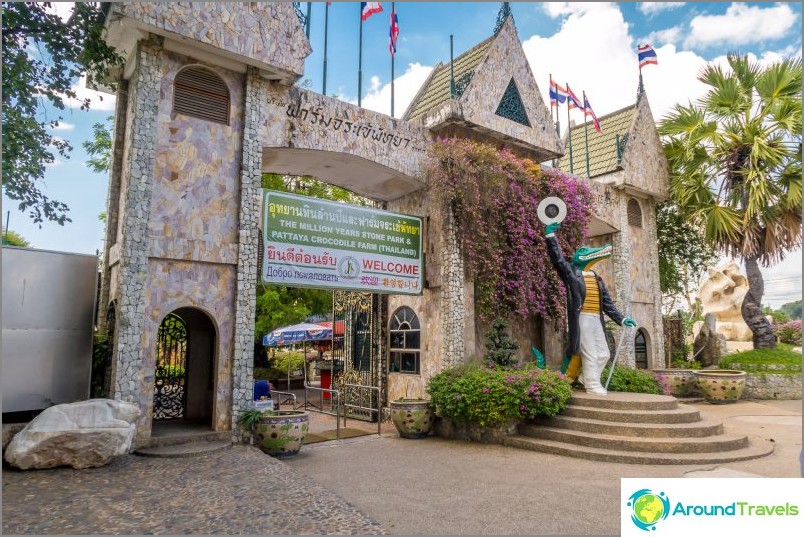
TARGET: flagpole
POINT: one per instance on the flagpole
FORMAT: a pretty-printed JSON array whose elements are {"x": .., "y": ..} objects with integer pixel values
[
  {"x": 569, "y": 128},
  {"x": 360, "y": 58},
  {"x": 326, "y": 30},
  {"x": 393, "y": 14},
  {"x": 586, "y": 135},
  {"x": 309, "y": 14}
]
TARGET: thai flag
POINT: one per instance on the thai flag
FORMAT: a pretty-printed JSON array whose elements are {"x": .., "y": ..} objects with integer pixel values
[
  {"x": 646, "y": 56},
  {"x": 574, "y": 101},
  {"x": 558, "y": 95},
  {"x": 589, "y": 112},
  {"x": 394, "y": 33},
  {"x": 367, "y": 9}
]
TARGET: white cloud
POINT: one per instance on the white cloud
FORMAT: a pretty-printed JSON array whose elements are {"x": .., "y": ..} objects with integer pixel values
[
  {"x": 378, "y": 97},
  {"x": 64, "y": 126},
  {"x": 652, "y": 8},
  {"x": 663, "y": 37},
  {"x": 62, "y": 9},
  {"x": 104, "y": 102},
  {"x": 55, "y": 164},
  {"x": 740, "y": 25},
  {"x": 559, "y": 9}
]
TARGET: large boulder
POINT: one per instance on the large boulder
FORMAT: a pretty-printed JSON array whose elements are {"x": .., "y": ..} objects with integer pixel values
[
  {"x": 81, "y": 435},
  {"x": 722, "y": 294},
  {"x": 709, "y": 346}
]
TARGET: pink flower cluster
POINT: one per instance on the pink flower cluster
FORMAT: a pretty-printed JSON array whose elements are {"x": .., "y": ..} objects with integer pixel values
[{"x": 493, "y": 196}]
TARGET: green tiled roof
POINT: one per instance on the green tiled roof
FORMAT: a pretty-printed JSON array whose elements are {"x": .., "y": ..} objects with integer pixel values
[
  {"x": 436, "y": 90},
  {"x": 602, "y": 147}
]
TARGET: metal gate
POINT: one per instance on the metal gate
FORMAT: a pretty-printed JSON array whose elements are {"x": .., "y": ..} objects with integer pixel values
[
  {"x": 170, "y": 376},
  {"x": 357, "y": 354}
]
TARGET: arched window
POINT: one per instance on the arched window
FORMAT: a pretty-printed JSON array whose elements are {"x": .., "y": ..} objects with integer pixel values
[
  {"x": 405, "y": 342},
  {"x": 200, "y": 92},
  {"x": 634, "y": 213},
  {"x": 641, "y": 349}
]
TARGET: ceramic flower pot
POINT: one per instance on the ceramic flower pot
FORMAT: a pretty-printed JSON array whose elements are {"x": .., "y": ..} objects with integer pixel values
[
  {"x": 282, "y": 434},
  {"x": 677, "y": 382},
  {"x": 721, "y": 385},
  {"x": 413, "y": 418}
]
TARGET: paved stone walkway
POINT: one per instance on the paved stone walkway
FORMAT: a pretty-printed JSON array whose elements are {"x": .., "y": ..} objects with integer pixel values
[{"x": 235, "y": 491}]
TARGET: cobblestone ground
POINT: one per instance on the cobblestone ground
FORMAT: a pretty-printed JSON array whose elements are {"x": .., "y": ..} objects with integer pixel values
[{"x": 234, "y": 491}]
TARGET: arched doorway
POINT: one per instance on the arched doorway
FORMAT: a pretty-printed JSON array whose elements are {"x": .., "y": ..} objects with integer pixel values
[
  {"x": 641, "y": 349},
  {"x": 184, "y": 384}
]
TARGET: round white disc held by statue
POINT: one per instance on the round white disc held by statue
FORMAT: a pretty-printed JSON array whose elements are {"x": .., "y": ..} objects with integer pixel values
[{"x": 552, "y": 210}]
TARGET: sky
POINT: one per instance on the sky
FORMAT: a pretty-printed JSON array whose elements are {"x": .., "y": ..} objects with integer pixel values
[{"x": 591, "y": 46}]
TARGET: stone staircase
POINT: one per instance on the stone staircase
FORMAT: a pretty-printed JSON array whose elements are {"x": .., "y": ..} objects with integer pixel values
[
  {"x": 635, "y": 428},
  {"x": 185, "y": 442}
]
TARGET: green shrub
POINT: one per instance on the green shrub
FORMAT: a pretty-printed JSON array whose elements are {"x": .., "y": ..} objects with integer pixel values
[
  {"x": 281, "y": 359},
  {"x": 101, "y": 361},
  {"x": 495, "y": 396},
  {"x": 631, "y": 380},
  {"x": 170, "y": 371},
  {"x": 501, "y": 346},
  {"x": 789, "y": 333},
  {"x": 761, "y": 357},
  {"x": 686, "y": 364}
]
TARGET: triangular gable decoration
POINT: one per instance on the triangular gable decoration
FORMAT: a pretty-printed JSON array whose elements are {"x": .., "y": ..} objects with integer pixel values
[{"x": 511, "y": 106}]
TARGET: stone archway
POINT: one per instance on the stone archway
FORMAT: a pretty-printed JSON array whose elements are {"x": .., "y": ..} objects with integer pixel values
[{"x": 184, "y": 385}]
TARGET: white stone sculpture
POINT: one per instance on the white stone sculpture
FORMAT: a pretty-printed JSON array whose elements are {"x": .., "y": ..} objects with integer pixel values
[
  {"x": 722, "y": 294},
  {"x": 82, "y": 435}
]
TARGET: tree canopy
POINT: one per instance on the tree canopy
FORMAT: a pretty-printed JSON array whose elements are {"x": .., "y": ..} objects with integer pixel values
[
  {"x": 735, "y": 163},
  {"x": 43, "y": 58}
]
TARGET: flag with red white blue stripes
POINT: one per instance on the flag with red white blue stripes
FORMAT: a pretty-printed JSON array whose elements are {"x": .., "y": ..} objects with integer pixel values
[
  {"x": 588, "y": 112},
  {"x": 394, "y": 32},
  {"x": 574, "y": 101},
  {"x": 367, "y": 9},
  {"x": 558, "y": 95},
  {"x": 646, "y": 55}
]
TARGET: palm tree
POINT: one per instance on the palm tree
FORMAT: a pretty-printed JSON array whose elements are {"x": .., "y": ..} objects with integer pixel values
[{"x": 735, "y": 168}]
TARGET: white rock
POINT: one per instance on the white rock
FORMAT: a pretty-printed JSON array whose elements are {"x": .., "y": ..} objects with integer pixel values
[{"x": 82, "y": 435}]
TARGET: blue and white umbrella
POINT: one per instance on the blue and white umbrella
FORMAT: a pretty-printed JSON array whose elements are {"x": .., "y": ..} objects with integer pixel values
[{"x": 296, "y": 333}]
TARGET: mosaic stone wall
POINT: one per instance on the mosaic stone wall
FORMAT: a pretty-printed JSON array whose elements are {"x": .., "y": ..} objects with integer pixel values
[
  {"x": 644, "y": 164},
  {"x": 254, "y": 117},
  {"x": 208, "y": 287},
  {"x": 505, "y": 60},
  {"x": 313, "y": 121},
  {"x": 136, "y": 185},
  {"x": 267, "y": 32}
]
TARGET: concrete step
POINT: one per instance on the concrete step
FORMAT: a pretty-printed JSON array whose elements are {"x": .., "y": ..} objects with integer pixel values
[
  {"x": 754, "y": 450},
  {"x": 190, "y": 437},
  {"x": 682, "y": 414},
  {"x": 721, "y": 442},
  {"x": 192, "y": 449},
  {"x": 642, "y": 430},
  {"x": 624, "y": 401}
]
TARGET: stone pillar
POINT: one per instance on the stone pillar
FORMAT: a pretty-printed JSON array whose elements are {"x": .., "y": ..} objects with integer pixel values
[
  {"x": 248, "y": 247},
  {"x": 113, "y": 198},
  {"x": 133, "y": 272},
  {"x": 453, "y": 308},
  {"x": 622, "y": 260},
  {"x": 656, "y": 360}
]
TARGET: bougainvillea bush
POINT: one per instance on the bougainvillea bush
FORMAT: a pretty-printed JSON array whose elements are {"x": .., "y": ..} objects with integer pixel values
[
  {"x": 493, "y": 196},
  {"x": 495, "y": 396},
  {"x": 788, "y": 332}
]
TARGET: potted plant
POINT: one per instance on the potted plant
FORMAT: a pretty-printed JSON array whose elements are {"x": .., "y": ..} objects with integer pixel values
[
  {"x": 279, "y": 433},
  {"x": 412, "y": 417},
  {"x": 677, "y": 382},
  {"x": 721, "y": 385}
]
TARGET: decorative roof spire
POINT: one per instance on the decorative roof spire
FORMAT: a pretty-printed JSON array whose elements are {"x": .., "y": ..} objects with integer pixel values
[{"x": 504, "y": 13}]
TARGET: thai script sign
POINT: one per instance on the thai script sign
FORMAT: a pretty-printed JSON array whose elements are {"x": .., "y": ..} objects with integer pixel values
[{"x": 317, "y": 243}]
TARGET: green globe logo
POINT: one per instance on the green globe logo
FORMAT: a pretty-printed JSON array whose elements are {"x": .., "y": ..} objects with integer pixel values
[{"x": 648, "y": 508}]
